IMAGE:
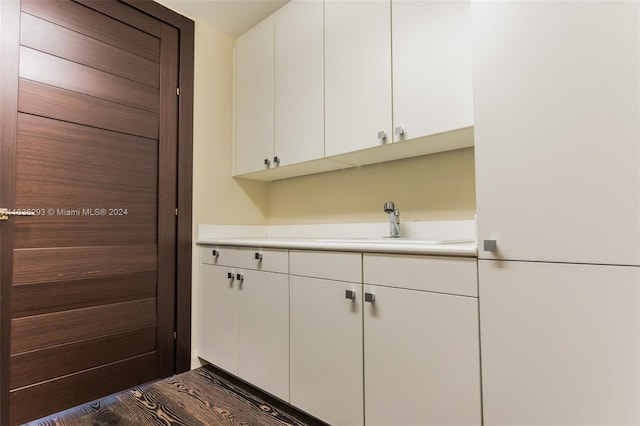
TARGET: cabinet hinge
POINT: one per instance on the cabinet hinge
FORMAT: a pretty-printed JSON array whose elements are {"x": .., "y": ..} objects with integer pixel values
[
  {"x": 178, "y": 91},
  {"x": 176, "y": 211},
  {"x": 175, "y": 335}
]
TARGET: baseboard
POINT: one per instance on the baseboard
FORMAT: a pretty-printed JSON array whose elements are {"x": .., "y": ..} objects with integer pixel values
[{"x": 196, "y": 362}]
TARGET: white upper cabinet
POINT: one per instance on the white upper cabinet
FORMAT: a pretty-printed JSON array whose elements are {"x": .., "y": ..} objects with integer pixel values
[
  {"x": 254, "y": 98},
  {"x": 299, "y": 82},
  {"x": 432, "y": 80},
  {"x": 557, "y": 130},
  {"x": 358, "y": 74},
  {"x": 323, "y": 85},
  {"x": 396, "y": 70}
]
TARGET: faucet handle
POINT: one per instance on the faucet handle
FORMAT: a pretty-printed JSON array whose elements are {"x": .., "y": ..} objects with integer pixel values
[{"x": 389, "y": 207}]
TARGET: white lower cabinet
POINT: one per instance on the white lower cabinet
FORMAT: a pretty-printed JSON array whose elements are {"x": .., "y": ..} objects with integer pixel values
[
  {"x": 326, "y": 335},
  {"x": 351, "y": 338},
  {"x": 326, "y": 349},
  {"x": 417, "y": 351},
  {"x": 245, "y": 316},
  {"x": 263, "y": 330},
  {"x": 218, "y": 341},
  {"x": 560, "y": 343},
  {"x": 421, "y": 354}
]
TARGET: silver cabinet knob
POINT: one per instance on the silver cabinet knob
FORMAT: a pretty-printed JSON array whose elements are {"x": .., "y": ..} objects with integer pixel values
[
  {"x": 369, "y": 297},
  {"x": 490, "y": 245},
  {"x": 267, "y": 162},
  {"x": 382, "y": 135},
  {"x": 215, "y": 253},
  {"x": 230, "y": 275},
  {"x": 257, "y": 256},
  {"x": 240, "y": 277},
  {"x": 276, "y": 160},
  {"x": 399, "y": 131},
  {"x": 350, "y": 294}
]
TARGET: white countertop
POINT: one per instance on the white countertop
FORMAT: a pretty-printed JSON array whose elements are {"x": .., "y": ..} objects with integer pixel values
[{"x": 375, "y": 245}]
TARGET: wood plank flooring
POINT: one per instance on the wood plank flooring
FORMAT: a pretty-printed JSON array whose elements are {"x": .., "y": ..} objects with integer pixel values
[{"x": 205, "y": 396}]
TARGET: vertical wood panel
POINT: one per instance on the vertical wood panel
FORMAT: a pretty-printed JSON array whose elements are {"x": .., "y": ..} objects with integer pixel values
[
  {"x": 185, "y": 187},
  {"x": 167, "y": 198},
  {"x": 185, "y": 174},
  {"x": 9, "y": 51}
]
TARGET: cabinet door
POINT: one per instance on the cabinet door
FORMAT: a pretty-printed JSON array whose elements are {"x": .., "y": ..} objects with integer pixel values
[
  {"x": 219, "y": 317},
  {"x": 560, "y": 344},
  {"x": 556, "y": 130},
  {"x": 357, "y": 74},
  {"x": 326, "y": 350},
  {"x": 299, "y": 82},
  {"x": 254, "y": 98},
  {"x": 421, "y": 358},
  {"x": 263, "y": 354},
  {"x": 432, "y": 80}
]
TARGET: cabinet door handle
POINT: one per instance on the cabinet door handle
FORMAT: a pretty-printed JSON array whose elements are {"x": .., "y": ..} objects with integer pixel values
[
  {"x": 350, "y": 294},
  {"x": 257, "y": 256},
  {"x": 490, "y": 245},
  {"x": 399, "y": 131},
  {"x": 369, "y": 297},
  {"x": 267, "y": 162},
  {"x": 215, "y": 253},
  {"x": 240, "y": 277},
  {"x": 276, "y": 160},
  {"x": 230, "y": 275},
  {"x": 382, "y": 135}
]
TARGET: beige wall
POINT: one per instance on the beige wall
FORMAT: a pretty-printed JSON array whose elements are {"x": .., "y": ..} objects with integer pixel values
[
  {"x": 217, "y": 197},
  {"x": 432, "y": 187}
]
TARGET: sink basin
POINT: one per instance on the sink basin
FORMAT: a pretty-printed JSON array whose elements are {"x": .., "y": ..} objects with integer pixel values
[{"x": 390, "y": 241}]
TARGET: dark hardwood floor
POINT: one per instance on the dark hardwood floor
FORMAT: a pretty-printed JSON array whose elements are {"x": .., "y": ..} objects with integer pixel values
[{"x": 205, "y": 396}]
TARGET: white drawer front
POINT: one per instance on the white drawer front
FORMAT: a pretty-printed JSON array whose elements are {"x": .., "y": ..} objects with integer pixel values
[
  {"x": 219, "y": 255},
  {"x": 339, "y": 266},
  {"x": 452, "y": 275},
  {"x": 272, "y": 260}
]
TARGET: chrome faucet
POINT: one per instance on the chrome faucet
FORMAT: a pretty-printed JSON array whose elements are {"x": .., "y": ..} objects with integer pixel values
[{"x": 394, "y": 219}]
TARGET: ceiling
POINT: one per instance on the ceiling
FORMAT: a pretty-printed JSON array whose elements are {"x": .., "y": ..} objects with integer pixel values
[{"x": 232, "y": 17}]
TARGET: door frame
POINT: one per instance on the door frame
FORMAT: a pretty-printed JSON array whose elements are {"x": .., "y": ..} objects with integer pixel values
[{"x": 9, "y": 71}]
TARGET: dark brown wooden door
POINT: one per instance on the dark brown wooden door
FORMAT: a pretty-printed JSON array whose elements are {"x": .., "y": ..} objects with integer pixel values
[{"x": 92, "y": 293}]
